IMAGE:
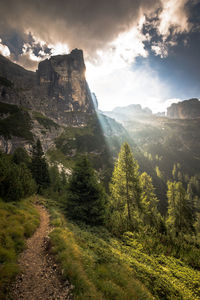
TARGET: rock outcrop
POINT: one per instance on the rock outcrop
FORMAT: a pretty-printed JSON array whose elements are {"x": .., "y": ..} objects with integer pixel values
[
  {"x": 57, "y": 89},
  {"x": 188, "y": 109}
]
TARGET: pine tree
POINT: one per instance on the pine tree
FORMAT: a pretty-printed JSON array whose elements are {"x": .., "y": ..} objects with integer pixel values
[
  {"x": 21, "y": 156},
  {"x": 39, "y": 168},
  {"x": 193, "y": 202},
  {"x": 86, "y": 199},
  {"x": 149, "y": 202},
  {"x": 16, "y": 181},
  {"x": 180, "y": 212},
  {"x": 125, "y": 192}
]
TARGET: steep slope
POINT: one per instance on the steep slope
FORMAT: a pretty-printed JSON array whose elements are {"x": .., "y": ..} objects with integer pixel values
[
  {"x": 55, "y": 105},
  {"x": 163, "y": 142},
  {"x": 166, "y": 141}
]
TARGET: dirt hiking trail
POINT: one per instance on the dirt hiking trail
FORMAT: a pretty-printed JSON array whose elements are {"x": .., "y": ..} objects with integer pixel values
[{"x": 40, "y": 277}]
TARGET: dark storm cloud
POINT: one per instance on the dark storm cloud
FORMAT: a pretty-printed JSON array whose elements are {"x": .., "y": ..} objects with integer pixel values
[{"x": 85, "y": 24}]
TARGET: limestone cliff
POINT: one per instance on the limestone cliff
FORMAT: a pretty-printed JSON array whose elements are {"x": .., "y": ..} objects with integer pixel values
[
  {"x": 188, "y": 109},
  {"x": 57, "y": 89}
]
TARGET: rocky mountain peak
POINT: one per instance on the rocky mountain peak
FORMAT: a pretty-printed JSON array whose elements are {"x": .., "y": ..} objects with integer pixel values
[
  {"x": 187, "y": 109},
  {"x": 57, "y": 88}
]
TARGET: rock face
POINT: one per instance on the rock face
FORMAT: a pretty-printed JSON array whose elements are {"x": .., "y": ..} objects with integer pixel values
[
  {"x": 188, "y": 109},
  {"x": 58, "y": 89},
  {"x": 62, "y": 81}
]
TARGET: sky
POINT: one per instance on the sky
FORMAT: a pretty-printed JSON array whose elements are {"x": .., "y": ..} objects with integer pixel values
[{"x": 136, "y": 51}]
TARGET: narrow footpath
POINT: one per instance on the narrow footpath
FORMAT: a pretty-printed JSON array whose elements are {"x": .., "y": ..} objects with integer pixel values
[{"x": 40, "y": 277}]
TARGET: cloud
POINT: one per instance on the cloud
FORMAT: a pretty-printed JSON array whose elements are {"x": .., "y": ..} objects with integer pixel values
[
  {"x": 94, "y": 26},
  {"x": 126, "y": 85},
  {"x": 165, "y": 26},
  {"x": 111, "y": 35},
  {"x": 173, "y": 18},
  {"x": 4, "y": 50},
  {"x": 160, "y": 48},
  {"x": 87, "y": 24}
]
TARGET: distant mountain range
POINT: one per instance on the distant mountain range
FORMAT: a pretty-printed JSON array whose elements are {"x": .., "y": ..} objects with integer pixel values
[
  {"x": 164, "y": 141},
  {"x": 187, "y": 109}
]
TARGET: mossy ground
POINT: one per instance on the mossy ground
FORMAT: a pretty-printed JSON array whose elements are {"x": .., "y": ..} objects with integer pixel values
[{"x": 18, "y": 221}]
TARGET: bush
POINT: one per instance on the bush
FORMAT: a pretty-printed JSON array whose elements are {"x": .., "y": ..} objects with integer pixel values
[{"x": 16, "y": 181}]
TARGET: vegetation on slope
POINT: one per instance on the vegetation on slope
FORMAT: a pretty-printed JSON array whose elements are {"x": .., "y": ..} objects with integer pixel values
[
  {"x": 86, "y": 139},
  {"x": 18, "y": 221},
  {"x": 146, "y": 249},
  {"x": 15, "y": 122},
  {"x": 162, "y": 254},
  {"x": 16, "y": 181},
  {"x": 88, "y": 260},
  {"x": 44, "y": 121},
  {"x": 101, "y": 266}
]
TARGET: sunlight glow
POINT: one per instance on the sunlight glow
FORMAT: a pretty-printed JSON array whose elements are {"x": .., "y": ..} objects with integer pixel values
[
  {"x": 4, "y": 50},
  {"x": 59, "y": 49},
  {"x": 117, "y": 83}
]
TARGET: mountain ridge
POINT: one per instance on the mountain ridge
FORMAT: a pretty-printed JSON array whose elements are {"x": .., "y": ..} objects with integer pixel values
[{"x": 187, "y": 109}]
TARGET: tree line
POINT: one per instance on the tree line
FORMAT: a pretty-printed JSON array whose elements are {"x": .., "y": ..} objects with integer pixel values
[
  {"x": 130, "y": 205},
  {"x": 132, "y": 202},
  {"x": 22, "y": 175}
]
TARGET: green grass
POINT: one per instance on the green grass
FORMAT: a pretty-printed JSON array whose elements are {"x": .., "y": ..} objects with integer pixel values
[
  {"x": 88, "y": 261},
  {"x": 17, "y": 123},
  {"x": 101, "y": 266},
  {"x": 18, "y": 221}
]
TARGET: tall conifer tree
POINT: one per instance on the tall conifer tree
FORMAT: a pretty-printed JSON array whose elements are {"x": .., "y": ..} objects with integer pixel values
[
  {"x": 86, "y": 198},
  {"x": 149, "y": 200},
  {"x": 39, "y": 167},
  {"x": 125, "y": 192},
  {"x": 180, "y": 211}
]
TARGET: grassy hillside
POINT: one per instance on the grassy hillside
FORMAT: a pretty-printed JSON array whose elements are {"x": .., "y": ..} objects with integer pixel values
[
  {"x": 101, "y": 266},
  {"x": 18, "y": 221},
  {"x": 86, "y": 260}
]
